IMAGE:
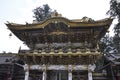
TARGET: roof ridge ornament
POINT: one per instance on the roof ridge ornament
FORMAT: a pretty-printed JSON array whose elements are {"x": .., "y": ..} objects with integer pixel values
[
  {"x": 87, "y": 19},
  {"x": 56, "y": 14}
]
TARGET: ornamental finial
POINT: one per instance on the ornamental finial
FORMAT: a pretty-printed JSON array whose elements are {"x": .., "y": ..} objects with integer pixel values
[{"x": 55, "y": 14}]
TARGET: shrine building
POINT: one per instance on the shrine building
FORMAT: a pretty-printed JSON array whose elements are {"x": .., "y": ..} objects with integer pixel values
[{"x": 60, "y": 48}]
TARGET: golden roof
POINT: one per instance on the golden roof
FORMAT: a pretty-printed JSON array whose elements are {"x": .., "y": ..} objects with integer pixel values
[{"x": 84, "y": 22}]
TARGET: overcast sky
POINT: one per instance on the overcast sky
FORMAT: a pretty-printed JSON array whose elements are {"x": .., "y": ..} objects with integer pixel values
[{"x": 20, "y": 11}]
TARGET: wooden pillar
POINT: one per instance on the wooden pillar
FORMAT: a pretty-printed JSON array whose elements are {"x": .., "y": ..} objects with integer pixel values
[
  {"x": 51, "y": 59},
  {"x": 34, "y": 58},
  {"x": 8, "y": 76},
  {"x": 43, "y": 59}
]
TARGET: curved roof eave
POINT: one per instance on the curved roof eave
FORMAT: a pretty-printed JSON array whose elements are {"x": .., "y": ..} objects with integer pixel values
[{"x": 66, "y": 21}]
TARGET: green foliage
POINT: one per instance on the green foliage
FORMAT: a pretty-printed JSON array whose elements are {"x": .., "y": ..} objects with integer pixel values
[
  {"x": 116, "y": 38},
  {"x": 114, "y": 9},
  {"x": 42, "y": 13},
  {"x": 115, "y": 12},
  {"x": 106, "y": 44}
]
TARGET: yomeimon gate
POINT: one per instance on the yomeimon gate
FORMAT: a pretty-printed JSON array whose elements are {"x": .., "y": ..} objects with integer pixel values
[{"x": 60, "y": 49}]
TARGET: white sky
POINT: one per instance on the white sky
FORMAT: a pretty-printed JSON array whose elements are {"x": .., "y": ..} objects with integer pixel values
[{"x": 20, "y": 11}]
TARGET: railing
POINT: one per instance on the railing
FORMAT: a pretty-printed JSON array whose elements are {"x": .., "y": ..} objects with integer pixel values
[{"x": 59, "y": 51}]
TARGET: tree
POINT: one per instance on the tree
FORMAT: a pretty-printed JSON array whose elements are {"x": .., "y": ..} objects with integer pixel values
[
  {"x": 115, "y": 13},
  {"x": 114, "y": 9},
  {"x": 106, "y": 45},
  {"x": 116, "y": 38},
  {"x": 42, "y": 13}
]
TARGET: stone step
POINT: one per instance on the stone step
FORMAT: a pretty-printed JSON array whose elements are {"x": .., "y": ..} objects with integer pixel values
[
  {"x": 99, "y": 74},
  {"x": 100, "y": 78}
]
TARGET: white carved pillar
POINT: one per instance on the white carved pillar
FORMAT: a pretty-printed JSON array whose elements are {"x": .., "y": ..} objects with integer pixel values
[
  {"x": 26, "y": 75},
  {"x": 44, "y": 76},
  {"x": 70, "y": 75},
  {"x": 26, "y": 68},
  {"x": 59, "y": 75},
  {"x": 69, "y": 72},
  {"x": 90, "y": 70},
  {"x": 56, "y": 76},
  {"x": 90, "y": 75}
]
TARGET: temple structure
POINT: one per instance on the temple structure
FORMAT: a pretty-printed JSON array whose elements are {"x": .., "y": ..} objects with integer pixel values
[{"x": 60, "y": 49}]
